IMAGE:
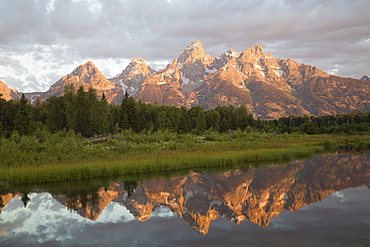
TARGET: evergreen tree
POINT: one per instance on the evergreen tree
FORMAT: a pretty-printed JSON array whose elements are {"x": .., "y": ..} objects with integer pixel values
[
  {"x": 227, "y": 113},
  {"x": 124, "y": 115},
  {"x": 55, "y": 114},
  {"x": 133, "y": 118},
  {"x": 182, "y": 126},
  {"x": 77, "y": 112},
  {"x": 1, "y": 130},
  {"x": 174, "y": 115},
  {"x": 201, "y": 121},
  {"x": 38, "y": 111},
  {"x": 224, "y": 126},
  {"x": 22, "y": 116},
  {"x": 163, "y": 121},
  {"x": 242, "y": 117},
  {"x": 2, "y": 113},
  {"x": 212, "y": 120},
  {"x": 99, "y": 116},
  {"x": 193, "y": 117}
]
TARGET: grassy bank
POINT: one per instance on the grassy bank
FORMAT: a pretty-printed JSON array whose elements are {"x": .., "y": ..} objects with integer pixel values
[{"x": 65, "y": 156}]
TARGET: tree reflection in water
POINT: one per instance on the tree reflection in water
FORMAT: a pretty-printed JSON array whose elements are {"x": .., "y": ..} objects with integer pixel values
[{"x": 256, "y": 195}]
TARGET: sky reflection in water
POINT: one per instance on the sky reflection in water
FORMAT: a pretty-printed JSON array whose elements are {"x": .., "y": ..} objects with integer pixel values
[{"x": 342, "y": 218}]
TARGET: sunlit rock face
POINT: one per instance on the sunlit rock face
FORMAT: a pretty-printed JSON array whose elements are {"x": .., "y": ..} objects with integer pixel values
[
  {"x": 8, "y": 93},
  {"x": 256, "y": 195},
  {"x": 88, "y": 76},
  {"x": 162, "y": 88},
  {"x": 268, "y": 87},
  {"x": 223, "y": 88},
  {"x": 132, "y": 78},
  {"x": 192, "y": 64}
]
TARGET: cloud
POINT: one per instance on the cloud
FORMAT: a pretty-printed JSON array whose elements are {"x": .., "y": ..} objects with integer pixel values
[{"x": 64, "y": 33}]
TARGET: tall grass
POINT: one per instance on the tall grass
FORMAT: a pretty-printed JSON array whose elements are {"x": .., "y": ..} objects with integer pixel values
[{"x": 67, "y": 157}]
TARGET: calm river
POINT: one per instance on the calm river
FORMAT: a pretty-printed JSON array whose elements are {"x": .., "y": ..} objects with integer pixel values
[{"x": 324, "y": 201}]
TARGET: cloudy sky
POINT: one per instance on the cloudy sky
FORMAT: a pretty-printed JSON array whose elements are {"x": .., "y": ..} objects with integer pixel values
[{"x": 43, "y": 40}]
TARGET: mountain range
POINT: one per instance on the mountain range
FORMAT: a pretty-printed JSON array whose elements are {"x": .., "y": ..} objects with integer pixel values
[{"x": 269, "y": 87}]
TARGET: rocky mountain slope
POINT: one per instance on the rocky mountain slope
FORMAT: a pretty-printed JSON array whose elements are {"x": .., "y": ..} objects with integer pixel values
[
  {"x": 268, "y": 87},
  {"x": 132, "y": 78},
  {"x": 7, "y": 93},
  {"x": 88, "y": 76}
]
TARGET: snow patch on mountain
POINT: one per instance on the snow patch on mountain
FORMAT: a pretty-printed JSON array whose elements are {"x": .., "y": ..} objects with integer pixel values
[
  {"x": 210, "y": 70},
  {"x": 185, "y": 81},
  {"x": 279, "y": 72}
]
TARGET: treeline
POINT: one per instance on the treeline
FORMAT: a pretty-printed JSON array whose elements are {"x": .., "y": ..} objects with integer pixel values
[{"x": 89, "y": 116}]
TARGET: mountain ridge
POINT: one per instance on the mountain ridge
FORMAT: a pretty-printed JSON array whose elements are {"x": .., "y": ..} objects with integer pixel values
[{"x": 268, "y": 87}]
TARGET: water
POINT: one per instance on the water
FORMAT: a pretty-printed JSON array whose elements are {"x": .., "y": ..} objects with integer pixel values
[{"x": 324, "y": 201}]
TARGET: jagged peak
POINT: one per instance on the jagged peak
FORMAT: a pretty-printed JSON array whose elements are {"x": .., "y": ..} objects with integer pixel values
[
  {"x": 365, "y": 78},
  {"x": 89, "y": 63},
  {"x": 192, "y": 52},
  {"x": 256, "y": 50},
  {"x": 138, "y": 60},
  {"x": 230, "y": 54},
  {"x": 196, "y": 44},
  {"x": 136, "y": 63},
  {"x": 170, "y": 68},
  {"x": 86, "y": 68},
  {"x": 137, "y": 66}
]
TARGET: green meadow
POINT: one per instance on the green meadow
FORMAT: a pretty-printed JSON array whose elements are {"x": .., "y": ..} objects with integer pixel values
[
  {"x": 49, "y": 141},
  {"x": 65, "y": 156}
]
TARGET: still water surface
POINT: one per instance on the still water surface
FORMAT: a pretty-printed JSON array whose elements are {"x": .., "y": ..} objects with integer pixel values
[{"x": 324, "y": 201}]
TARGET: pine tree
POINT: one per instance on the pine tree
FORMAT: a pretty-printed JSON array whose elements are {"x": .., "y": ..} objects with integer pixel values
[
  {"x": 193, "y": 117},
  {"x": 1, "y": 130},
  {"x": 224, "y": 126},
  {"x": 79, "y": 114},
  {"x": 124, "y": 119},
  {"x": 201, "y": 122},
  {"x": 22, "y": 116},
  {"x": 241, "y": 117},
  {"x": 162, "y": 122},
  {"x": 129, "y": 118},
  {"x": 99, "y": 115},
  {"x": 133, "y": 117},
  {"x": 55, "y": 113},
  {"x": 2, "y": 112},
  {"x": 182, "y": 126},
  {"x": 38, "y": 111},
  {"x": 213, "y": 120}
]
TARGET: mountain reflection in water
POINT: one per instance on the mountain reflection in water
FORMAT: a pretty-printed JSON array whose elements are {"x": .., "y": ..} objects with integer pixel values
[{"x": 256, "y": 195}]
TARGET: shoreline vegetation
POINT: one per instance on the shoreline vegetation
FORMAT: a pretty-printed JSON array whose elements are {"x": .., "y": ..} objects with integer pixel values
[
  {"x": 80, "y": 136},
  {"x": 65, "y": 156}
]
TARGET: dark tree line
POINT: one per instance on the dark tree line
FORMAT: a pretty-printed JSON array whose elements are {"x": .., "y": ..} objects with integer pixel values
[{"x": 84, "y": 113}]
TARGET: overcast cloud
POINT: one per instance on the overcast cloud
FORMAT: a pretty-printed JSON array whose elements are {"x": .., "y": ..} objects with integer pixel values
[{"x": 41, "y": 41}]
